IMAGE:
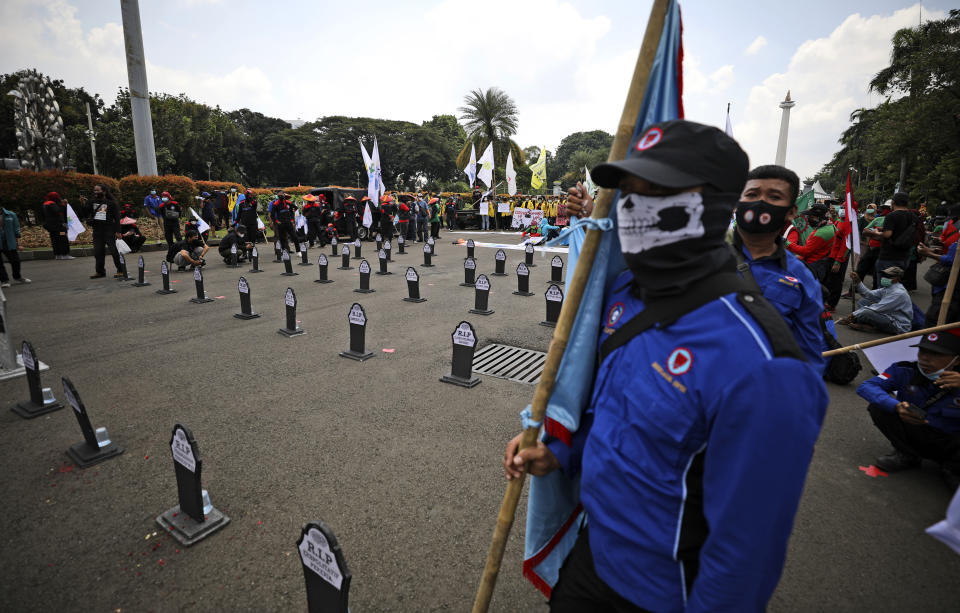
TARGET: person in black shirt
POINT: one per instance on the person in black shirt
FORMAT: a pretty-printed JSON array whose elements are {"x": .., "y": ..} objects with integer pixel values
[
  {"x": 190, "y": 251},
  {"x": 387, "y": 210},
  {"x": 899, "y": 228},
  {"x": 106, "y": 230},
  {"x": 235, "y": 237},
  {"x": 282, "y": 215},
  {"x": 170, "y": 214}
]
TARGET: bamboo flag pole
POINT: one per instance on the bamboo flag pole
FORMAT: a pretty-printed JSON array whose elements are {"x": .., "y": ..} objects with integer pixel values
[
  {"x": 890, "y": 339},
  {"x": 571, "y": 304},
  {"x": 948, "y": 293}
]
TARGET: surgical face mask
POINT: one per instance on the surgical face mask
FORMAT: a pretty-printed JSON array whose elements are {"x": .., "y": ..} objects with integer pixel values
[
  {"x": 164, "y": 199},
  {"x": 646, "y": 222},
  {"x": 871, "y": 212},
  {"x": 760, "y": 217},
  {"x": 153, "y": 192},
  {"x": 885, "y": 282},
  {"x": 933, "y": 376}
]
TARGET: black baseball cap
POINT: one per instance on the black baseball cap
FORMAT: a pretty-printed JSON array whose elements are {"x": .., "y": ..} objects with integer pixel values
[
  {"x": 680, "y": 154},
  {"x": 946, "y": 342}
]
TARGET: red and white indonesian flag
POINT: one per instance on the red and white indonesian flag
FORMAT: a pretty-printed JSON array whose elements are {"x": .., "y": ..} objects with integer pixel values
[{"x": 853, "y": 240}]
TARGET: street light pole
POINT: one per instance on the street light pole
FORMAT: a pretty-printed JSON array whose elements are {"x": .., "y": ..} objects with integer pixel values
[
  {"x": 93, "y": 140},
  {"x": 209, "y": 164}
]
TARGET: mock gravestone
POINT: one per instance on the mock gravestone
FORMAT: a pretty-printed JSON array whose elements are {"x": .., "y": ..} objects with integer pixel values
[
  {"x": 278, "y": 250},
  {"x": 246, "y": 311},
  {"x": 165, "y": 276},
  {"x": 469, "y": 269},
  {"x": 41, "y": 400},
  {"x": 464, "y": 344},
  {"x": 140, "y": 274},
  {"x": 400, "y": 243},
  {"x": 201, "y": 296},
  {"x": 333, "y": 246},
  {"x": 194, "y": 517},
  {"x": 554, "y": 298},
  {"x": 433, "y": 246},
  {"x": 383, "y": 263},
  {"x": 500, "y": 263},
  {"x": 523, "y": 280},
  {"x": 379, "y": 241},
  {"x": 290, "y": 306},
  {"x": 287, "y": 265},
  {"x": 364, "y": 288},
  {"x": 234, "y": 257},
  {"x": 413, "y": 286},
  {"x": 357, "y": 245},
  {"x": 427, "y": 253},
  {"x": 345, "y": 259},
  {"x": 322, "y": 269},
  {"x": 482, "y": 296},
  {"x": 556, "y": 270},
  {"x": 324, "y": 569},
  {"x": 255, "y": 258},
  {"x": 358, "y": 333},
  {"x": 123, "y": 268},
  {"x": 386, "y": 249},
  {"x": 303, "y": 255},
  {"x": 528, "y": 255},
  {"x": 471, "y": 247},
  {"x": 96, "y": 445}
]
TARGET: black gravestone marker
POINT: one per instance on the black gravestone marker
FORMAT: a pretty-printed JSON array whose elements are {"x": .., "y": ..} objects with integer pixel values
[
  {"x": 481, "y": 296},
  {"x": 324, "y": 570},
  {"x": 198, "y": 281},
  {"x": 287, "y": 265},
  {"x": 358, "y": 332},
  {"x": 140, "y": 271},
  {"x": 386, "y": 249},
  {"x": 471, "y": 246},
  {"x": 345, "y": 257},
  {"x": 322, "y": 269},
  {"x": 400, "y": 243},
  {"x": 364, "y": 288},
  {"x": 356, "y": 249},
  {"x": 123, "y": 268},
  {"x": 233, "y": 257},
  {"x": 469, "y": 269},
  {"x": 194, "y": 518},
  {"x": 379, "y": 242},
  {"x": 333, "y": 246},
  {"x": 464, "y": 344},
  {"x": 413, "y": 285},
  {"x": 246, "y": 311},
  {"x": 528, "y": 255},
  {"x": 427, "y": 253},
  {"x": 383, "y": 263},
  {"x": 500, "y": 260},
  {"x": 523, "y": 281},
  {"x": 290, "y": 305},
  {"x": 165, "y": 275},
  {"x": 255, "y": 257},
  {"x": 38, "y": 404},
  {"x": 96, "y": 446},
  {"x": 433, "y": 246},
  {"x": 556, "y": 270},
  {"x": 277, "y": 249},
  {"x": 303, "y": 255},
  {"x": 554, "y": 296}
]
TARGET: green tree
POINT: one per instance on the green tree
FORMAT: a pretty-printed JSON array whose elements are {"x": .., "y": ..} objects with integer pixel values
[
  {"x": 582, "y": 141},
  {"x": 489, "y": 116}
]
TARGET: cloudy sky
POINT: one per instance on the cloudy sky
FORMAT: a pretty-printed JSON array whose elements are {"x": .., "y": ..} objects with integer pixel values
[{"x": 566, "y": 62}]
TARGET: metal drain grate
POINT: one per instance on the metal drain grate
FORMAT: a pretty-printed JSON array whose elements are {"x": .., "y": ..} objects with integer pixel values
[{"x": 512, "y": 363}]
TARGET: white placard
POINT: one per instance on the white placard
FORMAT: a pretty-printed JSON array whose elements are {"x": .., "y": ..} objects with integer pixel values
[
  {"x": 256, "y": 253},
  {"x": 501, "y": 256},
  {"x": 357, "y": 316},
  {"x": 182, "y": 451},
  {"x": 382, "y": 254},
  {"x": 412, "y": 275},
  {"x": 197, "y": 276},
  {"x": 426, "y": 248},
  {"x": 243, "y": 287},
  {"x": 276, "y": 245},
  {"x": 528, "y": 248},
  {"x": 29, "y": 361},
  {"x": 556, "y": 262},
  {"x": 430, "y": 241},
  {"x": 284, "y": 255},
  {"x": 386, "y": 245},
  {"x": 140, "y": 262},
  {"x": 345, "y": 250},
  {"x": 123, "y": 260},
  {"x": 522, "y": 270},
  {"x": 303, "y": 247},
  {"x": 356, "y": 243},
  {"x": 882, "y": 356},
  {"x": 482, "y": 283},
  {"x": 316, "y": 555},
  {"x": 322, "y": 260},
  {"x": 290, "y": 300},
  {"x": 463, "y": 335},
  {"x": 554, "y": 294},
  {"x": 400, "y": 239},
  {"x": 471, "y": 244},
  {"x": 334, "y": 241},
  {"x": 364, "y": 267},
  {"x": 379, "y": 238},
  {"x": 524, "y": 218},
  {"x": 164, "y": 269},
  {"x": 503, "y": 207},
  {"x": 470, "y": 264},
  {"x": 233, "y": 249}
]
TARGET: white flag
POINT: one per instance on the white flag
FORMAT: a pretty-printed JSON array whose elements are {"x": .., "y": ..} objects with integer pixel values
[
  {"x": 486, "y": 166},
  {"x": 729, "y": 128},
  {"x": 301, "y": 222},
  {"x": 74, "y": 226},
  {"x": 260, "y": 225},
  {"x": 366, "y": 157},
  {"x": 367, "y": 215},
  {"x": 375, "y": 187},
  {"x": 511, "y": 176},
  {"x": 471, "y": 169},
  {"x": 202, "y": 226}
]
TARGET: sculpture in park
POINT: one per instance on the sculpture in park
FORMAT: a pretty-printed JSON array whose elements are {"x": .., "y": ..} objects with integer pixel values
[{"x": 41, "y": 144}]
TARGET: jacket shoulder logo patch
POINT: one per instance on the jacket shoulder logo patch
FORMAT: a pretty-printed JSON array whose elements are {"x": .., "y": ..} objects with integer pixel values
[{"x": 680, "y": 361}]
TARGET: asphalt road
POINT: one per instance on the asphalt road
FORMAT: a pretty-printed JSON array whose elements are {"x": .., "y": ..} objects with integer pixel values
[{"x": 405, "y": 469}]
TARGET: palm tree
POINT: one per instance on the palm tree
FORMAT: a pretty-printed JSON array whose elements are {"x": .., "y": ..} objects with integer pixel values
[{"x": 490, "y": 116}]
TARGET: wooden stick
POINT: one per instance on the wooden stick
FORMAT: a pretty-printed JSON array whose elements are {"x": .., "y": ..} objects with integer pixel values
[
  {"x": 948, "y": 293},
  {"x": 890, "y": 339},
  {"x": 571, "y": 304}
]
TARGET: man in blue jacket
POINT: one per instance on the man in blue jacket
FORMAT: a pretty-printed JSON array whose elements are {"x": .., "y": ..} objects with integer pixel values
[
  {"x": 923, "y": 419},
  {"x": 690, "y": 456}
]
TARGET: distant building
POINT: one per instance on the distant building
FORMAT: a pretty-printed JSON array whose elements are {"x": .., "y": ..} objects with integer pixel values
[{"x": 295, "y": 123}]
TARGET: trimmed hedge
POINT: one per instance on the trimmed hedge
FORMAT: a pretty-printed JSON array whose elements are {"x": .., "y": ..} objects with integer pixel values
[
  {"x": 212, "y": 186},
  {"x": 26, "y": 190},
  {"x": 134, "y": 188}
]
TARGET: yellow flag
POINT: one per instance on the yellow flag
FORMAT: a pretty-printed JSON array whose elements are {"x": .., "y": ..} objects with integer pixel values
[
  {"x": 232, "y": 200},
  {"x": 539, "y": 168}
]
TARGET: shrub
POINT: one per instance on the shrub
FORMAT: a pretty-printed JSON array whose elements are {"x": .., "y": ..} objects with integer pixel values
[
  {"x": 134, "y": 188},
  {"x": 25, "y": 190},
  {"x": 212, "y": 186}
]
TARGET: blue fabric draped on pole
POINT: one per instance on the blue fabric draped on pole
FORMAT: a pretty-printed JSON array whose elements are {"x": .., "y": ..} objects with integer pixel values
[{"x": 554, "y": 512}]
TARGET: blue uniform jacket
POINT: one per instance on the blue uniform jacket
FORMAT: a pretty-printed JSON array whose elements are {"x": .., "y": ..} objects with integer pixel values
[
  {"x": 792, "y": 289},
  {"x": 693, "y": 454},
  {"x": 911, "y": 386}
]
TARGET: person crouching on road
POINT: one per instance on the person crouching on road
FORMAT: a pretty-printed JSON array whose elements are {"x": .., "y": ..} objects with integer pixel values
[
  {"x": 236, "y": 237},
  {"x": 190, "y": 252}
]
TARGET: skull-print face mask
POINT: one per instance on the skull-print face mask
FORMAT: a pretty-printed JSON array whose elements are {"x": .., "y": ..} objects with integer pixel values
[{"x": 645, "y": 222}]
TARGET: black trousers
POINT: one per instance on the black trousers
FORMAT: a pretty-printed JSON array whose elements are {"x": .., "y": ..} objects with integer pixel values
[
  {"x": 171, "y": 232},
  {"x": 918, "y": 439},
  {"x": 386, "y": 229},
  {"x": 422, "y": 230},
  {"x": 579, "y": 588},
  {"x": 103, "y": 240},
  {"x": 284, "y": 231},
  {"x": 60, "y": 244},
  {"x": 936, "y": 301},
  {"x": 435, "y": 229},
  {"x": 350, "y": 222},
  {"x": 834, "y": 283},
  {"x": 316, "y": 231},
  {"x": 14, "y": 258},
  {"x": 868, "y": 266}
]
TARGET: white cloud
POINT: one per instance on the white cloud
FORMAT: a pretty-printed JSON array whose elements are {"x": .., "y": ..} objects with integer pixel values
[{"x": 758, "y": 43}]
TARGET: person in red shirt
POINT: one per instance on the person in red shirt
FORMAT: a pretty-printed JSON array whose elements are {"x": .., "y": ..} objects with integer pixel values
[
  {"x": 839, "y": 256},
  {"x": 815, "y": 253},
  {"x": 950, "y": 231}
]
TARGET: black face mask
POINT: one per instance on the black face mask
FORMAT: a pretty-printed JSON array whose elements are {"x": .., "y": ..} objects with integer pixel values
[{"x": 760, "y": 217}]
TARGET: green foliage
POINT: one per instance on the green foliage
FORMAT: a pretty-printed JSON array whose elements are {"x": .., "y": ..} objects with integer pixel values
[
  {"x": 21, "y": 190},
  {"x": 582, "y": 141},
  {"x": 490, "y": 116},
  {"x": 134, "y": 188}
]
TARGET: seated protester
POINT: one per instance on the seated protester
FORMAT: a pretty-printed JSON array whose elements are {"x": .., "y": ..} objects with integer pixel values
[
  {"x": 888, "y": 309},
  {"x": 815, "y": 252},
  {"x": 128, "y": 210},
  {"x": 939, "y": 291},
  {"x": 190, "y": 252},
  {"x": 236, "y": 237},
  {"x": 131, "y": 234},
  {"x": 923, "y": 419},
  {"x": 547, "y": 230}
]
